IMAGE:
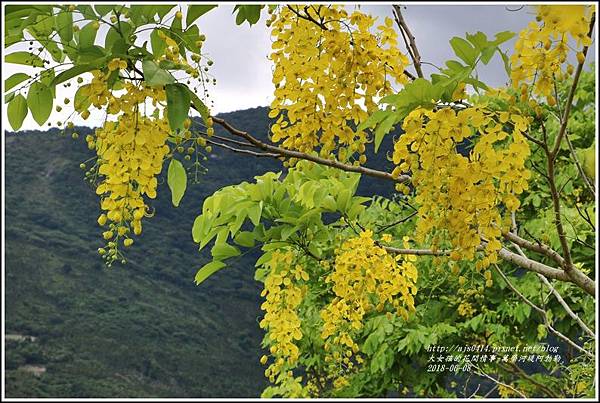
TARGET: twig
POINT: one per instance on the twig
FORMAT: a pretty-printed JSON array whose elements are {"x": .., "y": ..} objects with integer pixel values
[
  {"x": 237, "y": 150},
  {"x": 518, "y": 371},
  {"x": 565, "y": 116},
  {"x": 566, "y": 306},
  {"x": 416, "y": 252},
  {"x": 586, "y": 180},
  {"x": 308, "y": 17},
  {"x": 414, "y": 51},
  {"x": 400, "y": 221},
  {"x": 481, "y": 373}
]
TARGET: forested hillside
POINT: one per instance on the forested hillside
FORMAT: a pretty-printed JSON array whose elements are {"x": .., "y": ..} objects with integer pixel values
[{"x": 137, "y": 330}]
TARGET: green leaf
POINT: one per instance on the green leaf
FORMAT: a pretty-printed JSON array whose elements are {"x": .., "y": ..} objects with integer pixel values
[
  {"x": 464, "y": 50},
  {"x": 196, "y": 11},
  {"x": 25, "y": 58},
  {"x": 15, "y": 79},
  {"x": 46, "y": 78},
  {"x": 506, "y": 61},
  {"x": 487, "y": 54},
  {"x": 82, "y": 102},
  {"x": 169, "y": 65},
  {"x": 177, "y": 181},
  {"x": 223, "y": 251},
  {"x": 476, "y": 83},
  {"x": 91, "y": 55},
  {"x": 158, "y": 44},
  {"x": 383, "y": 129},
  {"x": 87, "y": 11},
  {"x": 17, "y": 111},
  {"x": 199, "y": 229},
  {"x": 503, "y": 36},
  {"x": 162, "y": 10},
  {"x": 208, "y": 270},
  {"x": 249, "y": 13},
  {"x": 175, "y": 32},
  {"x": 115, "y": 42},
  {"x": 71, "y": 73},
  {"x": 64, "y": 25},
  {"x": 199, "y": 106},
  {"x": 39, "y": 100},
  {"x": 479, "y": 40},
  {"x": 87, "y": 36},
  {"x": 190, "y": 37},
  {"x": 154, "y": 75},
  {"x": 244, "y": 238},
  {"x": 55, "y": 52},
  {"x": 102, "y": 10},
  {"x": 255, "y": 212},
  {"x": 9, "y": 97},
  {"x": 374, "y": 119},
  {"x": 455, "y": 66},
  {"x": 178, "y": 105}
]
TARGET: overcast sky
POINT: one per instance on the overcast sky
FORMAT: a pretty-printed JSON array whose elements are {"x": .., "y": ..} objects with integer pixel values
[{"x": 243, "y": 71}]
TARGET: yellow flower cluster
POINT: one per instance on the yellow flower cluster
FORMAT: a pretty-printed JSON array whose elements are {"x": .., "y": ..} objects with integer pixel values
[
  {"x": 466, "y": 309},
  {"x": 542, "y": 48},
  {"x": 327, "y": 77},
  {"x": 365, "y": 278},
  {"x": 281, "y": 320},
  {"x": 130, "y": 151},
  {"x": 462, "y": 195}
]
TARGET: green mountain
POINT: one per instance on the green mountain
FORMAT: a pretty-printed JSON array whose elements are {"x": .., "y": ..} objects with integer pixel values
[{"x": 137, "y": 330}]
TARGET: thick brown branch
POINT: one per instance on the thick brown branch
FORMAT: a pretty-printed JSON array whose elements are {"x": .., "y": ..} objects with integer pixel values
[
  {"x": 535, "y": 247},
  {"x": 282, "y": 152},
  {"x": 550, "y": 286},
  {"x": 568, "y": 264},
  {"x": 532, "y": 265}
]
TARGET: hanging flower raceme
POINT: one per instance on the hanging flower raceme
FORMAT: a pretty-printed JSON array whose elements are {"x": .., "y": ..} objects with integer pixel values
[
  {"x": 326, "y": 74},
  {"x": 283, "y": 294},
  {"x": 542, "y": 49},
  {"x": 365, "y": 279},
  {"x": 130, "y": 151},
  {"x": 464, "y": 198}
]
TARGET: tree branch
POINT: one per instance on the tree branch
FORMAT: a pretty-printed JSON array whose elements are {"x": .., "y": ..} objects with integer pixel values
[
  {"x": 565, "y": 116},
  {"x": 308, "y": 17},
  {"x": 566, "y": 306},
  {"x": 241, "y": 151},
  {"x": 549, "y": 285},
  {"x": 482, "y": 373},
  {"x": 535, "y": 247},
  {"x": 542, "y": 313},
  {"x": 413, "y": 50},
  {"x": 586, "y": 180},
  {"x": 282, "y": 152}
]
